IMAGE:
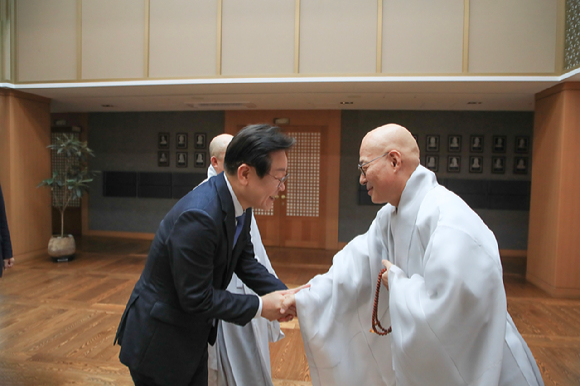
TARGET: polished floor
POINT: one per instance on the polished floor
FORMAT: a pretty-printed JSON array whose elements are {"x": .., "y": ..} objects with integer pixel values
[{"x": 57, "y": 321}]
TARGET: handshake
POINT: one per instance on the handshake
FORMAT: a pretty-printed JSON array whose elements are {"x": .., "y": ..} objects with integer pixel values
[{"x": 281, "y": 305}]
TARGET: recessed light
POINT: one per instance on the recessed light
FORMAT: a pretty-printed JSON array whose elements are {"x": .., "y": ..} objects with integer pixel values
[
  {"x": 473, "y": 103},
  {"x": 107, "y": 106},
  {"x": 347, "y": 103}
]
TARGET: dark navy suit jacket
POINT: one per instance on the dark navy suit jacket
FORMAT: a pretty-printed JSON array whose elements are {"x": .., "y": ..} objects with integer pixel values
[
  {"x": 170, "y": 316},
  {"x": 5, "y": 243}
]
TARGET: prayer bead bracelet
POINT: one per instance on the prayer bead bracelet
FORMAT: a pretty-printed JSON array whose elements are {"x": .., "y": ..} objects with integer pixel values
[{"x": 375, "y": 320}]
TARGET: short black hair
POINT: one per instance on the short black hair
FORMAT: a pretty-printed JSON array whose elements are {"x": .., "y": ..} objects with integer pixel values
[{"x": 252, "y": 146}]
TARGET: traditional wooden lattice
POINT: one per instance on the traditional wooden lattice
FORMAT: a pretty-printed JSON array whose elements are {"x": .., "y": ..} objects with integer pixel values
[{"x": 302, "y": 198}]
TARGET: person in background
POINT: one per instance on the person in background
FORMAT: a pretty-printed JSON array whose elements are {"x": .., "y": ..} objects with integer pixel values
[
  {"x": 6, "y": 257},
  {"x": 241, "y": 354}
]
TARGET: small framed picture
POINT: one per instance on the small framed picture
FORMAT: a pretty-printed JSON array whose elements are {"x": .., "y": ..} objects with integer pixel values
[
  {"x": 453, "y": 164},
  {"x": 199, "y": 159},
  {"x": 475, "y": 164},
  {"x": 499, "y": 143},
  {"x": 522, "y": 144},
  {"x": 181, "y": 159},
  {"x": 162, "y": 158},
  {"x": 476, "y": 144},
  {"x": 163, "y": 140},
  {"x": 181, "y": 141},
  {"x": 520, "y": 165},
  {"x": 498, "y": 165},
  {"x": 432, "y": 143},
  {"x": 432, "y": 162},
  {"x": 454, "y": 144},
  {"x": 200, "y": 142}
]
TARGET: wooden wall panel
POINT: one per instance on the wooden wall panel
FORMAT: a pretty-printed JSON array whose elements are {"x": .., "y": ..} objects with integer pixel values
[
  {"x": 183, "y": 38},
  {"x": 46, "y": 37},
  {"x": 113, "y": 39},
  {"x": 338, "y": 36},
  {"x": 258, "y": 37},
  {"x": 554, "y": 247},
  {"x": 516, "y": 36},
  {"x": 422, "y": 37},
  {"x": 26, "y": 126}
]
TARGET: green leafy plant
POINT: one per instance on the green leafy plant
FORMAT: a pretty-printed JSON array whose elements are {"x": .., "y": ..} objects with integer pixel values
[{"x": 71, "y": 180}]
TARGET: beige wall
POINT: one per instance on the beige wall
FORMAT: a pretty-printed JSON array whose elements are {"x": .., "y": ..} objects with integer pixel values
[
  {"x": 554, "y": 245},
  {"x": 24, "y": 162},
  {"x": 141, "y": 39}
]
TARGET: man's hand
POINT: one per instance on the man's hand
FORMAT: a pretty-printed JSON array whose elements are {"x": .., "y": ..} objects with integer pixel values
[
  {"x": 9, "y": 263},
  {"x": 385, "y": 277},
  {"x": 280, "y": 305}
]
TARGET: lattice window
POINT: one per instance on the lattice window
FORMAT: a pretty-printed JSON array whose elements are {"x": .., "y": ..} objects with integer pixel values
[
  {"x": 303, "y": 194},
  {"x": 58, "y": 165},
  {"x": 572, "y": 41}
]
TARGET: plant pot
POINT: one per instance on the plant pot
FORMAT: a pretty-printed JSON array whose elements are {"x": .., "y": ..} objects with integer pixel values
[{"x": 61, "y": 249}]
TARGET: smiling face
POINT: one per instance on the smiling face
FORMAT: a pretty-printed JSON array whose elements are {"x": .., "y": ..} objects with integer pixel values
[
  {"x": 378, "y": 177},
  {"x": 264, "y": 190}
]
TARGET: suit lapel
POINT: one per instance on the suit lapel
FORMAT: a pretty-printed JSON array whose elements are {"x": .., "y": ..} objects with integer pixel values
[{"x": 228, "y": 213}]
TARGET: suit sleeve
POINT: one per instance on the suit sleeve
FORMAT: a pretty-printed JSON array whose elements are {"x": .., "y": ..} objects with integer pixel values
[
  {"x": 192, "y": 246},
  {"x": 5, "y": 243}
]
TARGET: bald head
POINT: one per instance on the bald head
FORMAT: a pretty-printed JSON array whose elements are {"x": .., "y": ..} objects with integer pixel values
[
  {"x": 395, "y": 156},
  {"x": 217, "y": 151}
]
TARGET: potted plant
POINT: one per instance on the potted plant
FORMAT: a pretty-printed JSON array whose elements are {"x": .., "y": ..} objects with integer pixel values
[{"x": 67, "y": 184}]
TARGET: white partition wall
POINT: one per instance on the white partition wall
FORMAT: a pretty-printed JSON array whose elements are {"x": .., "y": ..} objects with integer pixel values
[
  {"x": 183, "y": 38},
  {"x": 338, "y": 37},
  {"x": 512, "y": 36},
  {"x": 44, "y": 56},
  {"x": 422, "y": 36},
  {"x": 113, "y": 43}
]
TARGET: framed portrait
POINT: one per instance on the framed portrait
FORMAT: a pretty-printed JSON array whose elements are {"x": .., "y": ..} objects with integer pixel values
[
  {"x": 199, "y": 159},
  {"x": 454, "y": 144},
  {"x": 520, "y": 165},
  {"x": 200, "y": 141},
  {"x": 522, "y": 144},
  {"x": 476, "y": 144},
  {"x": 432, "y": 144},
  {"x": 163, "y": 140},
  {"x": 181, "y": 141},
  {"x": 498, "y": 165},
  {"x": 432, "y": 162},
  {"x": 163, "y": 158},
  {"x": 475, "y": 164},
  {"x": 499, "y": 143},
  {"x": 181, "y": 159},
  {"x": 453, "y": 163}
]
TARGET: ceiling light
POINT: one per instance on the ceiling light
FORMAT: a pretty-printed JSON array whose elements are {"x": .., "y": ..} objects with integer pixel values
[
  {"x": 347, "y": 103},
  {"x": 473, "y": 103},
  {"x": 107, "y": 106}
]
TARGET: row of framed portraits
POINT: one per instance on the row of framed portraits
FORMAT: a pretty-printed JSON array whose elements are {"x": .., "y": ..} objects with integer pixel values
[
  {"x": 181, "y": 141},
  {"x": 498, "y": 164},
  {"x": 181, "y": 159},
  {"x": 477, "y": 144}
]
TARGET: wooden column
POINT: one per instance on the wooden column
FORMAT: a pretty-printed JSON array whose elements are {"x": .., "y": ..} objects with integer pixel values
[
  {"x": 554, "y": 242},
  {"x": 24, "y": 162}
]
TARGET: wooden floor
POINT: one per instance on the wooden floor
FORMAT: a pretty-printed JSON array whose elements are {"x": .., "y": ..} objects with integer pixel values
[{"x": 57, "y": 321}]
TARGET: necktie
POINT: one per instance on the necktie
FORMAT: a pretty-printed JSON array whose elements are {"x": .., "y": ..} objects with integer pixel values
[{"x": 240, "y": 220}]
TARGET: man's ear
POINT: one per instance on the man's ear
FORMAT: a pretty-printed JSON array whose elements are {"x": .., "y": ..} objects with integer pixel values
[
  {"x": 243, "y": 174},
  {"x": 395, "y": 159},
  {"x": 214, "y": 161}
]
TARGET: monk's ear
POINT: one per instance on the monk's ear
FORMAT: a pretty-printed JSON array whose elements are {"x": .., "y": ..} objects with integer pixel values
[
  {"x": 395, "y": 159},
  {"x": 243, "y": 174}
]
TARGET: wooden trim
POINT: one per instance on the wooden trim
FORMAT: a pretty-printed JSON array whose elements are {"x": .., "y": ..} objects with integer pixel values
[
  {"x": 465, "y": 60},
  {"x": 297, "y": 38},
  {"x": 513, "y": 253},
  {"x": 379, "y": 36},
  {"x": 550, "y": 289},
  {"x": 79, "y": 39},
  {"x": 219, "y": 36},
  {"x": 126, "y": 235},
  {"x": 147, "y": 37},
  {"x": 566, "y": 86},
  {"x": 23, "y": 95},
  {"x": 31, "y": 255}
]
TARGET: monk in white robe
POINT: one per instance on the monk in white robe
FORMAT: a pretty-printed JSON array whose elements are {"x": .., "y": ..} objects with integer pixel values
[
  {"x": 445, "y": 299},
  {"x": 241, "y": 354}
]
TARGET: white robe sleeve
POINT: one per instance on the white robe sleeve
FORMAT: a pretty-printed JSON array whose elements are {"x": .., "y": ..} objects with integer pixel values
[{"x": 449, "y": 323}]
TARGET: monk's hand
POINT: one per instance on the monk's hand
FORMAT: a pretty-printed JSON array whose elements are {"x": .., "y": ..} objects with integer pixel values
[
  {"x": 9, "y": 263},
  {"x": 288, "y": 308},
  {"x": 385, "y": 278},
  {"x": 272, "y": 305}
]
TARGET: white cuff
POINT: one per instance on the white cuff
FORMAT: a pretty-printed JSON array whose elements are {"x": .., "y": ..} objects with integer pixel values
[{"x": 259, "y": 313}]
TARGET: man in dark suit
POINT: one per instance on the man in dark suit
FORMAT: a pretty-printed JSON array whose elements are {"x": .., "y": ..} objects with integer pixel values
[
  {"x": 173, "y": 311},
  {"x": 6, "y": 259}
]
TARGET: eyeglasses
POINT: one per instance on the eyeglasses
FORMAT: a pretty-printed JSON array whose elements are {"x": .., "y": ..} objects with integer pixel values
[
  {"x": 280, "y": 180},
  {"x": 363, "y": 171}
]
